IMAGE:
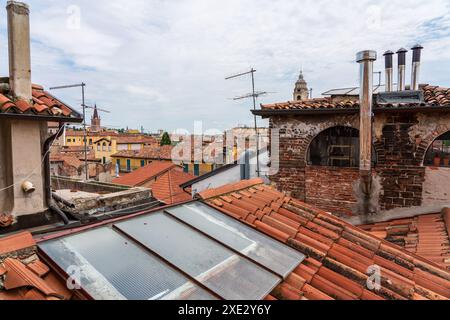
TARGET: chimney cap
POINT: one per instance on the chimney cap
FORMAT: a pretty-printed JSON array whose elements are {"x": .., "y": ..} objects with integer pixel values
[
  {"x": 387, "y": 53},
  {"x": 366, "y": 55},
  {"x": 417, "y": 47},
  {"x": 402, "y": 50},
  {"x": 17, "y": 4}
]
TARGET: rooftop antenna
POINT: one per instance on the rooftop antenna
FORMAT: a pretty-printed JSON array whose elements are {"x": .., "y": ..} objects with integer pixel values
[
  {"x": 82, "y": 85},
  {"x": 254, "y": 95}
]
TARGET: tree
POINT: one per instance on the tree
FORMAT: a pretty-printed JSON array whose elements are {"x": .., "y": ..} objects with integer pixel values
[{"x": 165, "y": 140}]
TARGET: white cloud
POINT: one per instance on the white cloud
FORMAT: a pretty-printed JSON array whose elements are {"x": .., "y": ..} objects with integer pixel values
[{"x": 162, "y": 63}]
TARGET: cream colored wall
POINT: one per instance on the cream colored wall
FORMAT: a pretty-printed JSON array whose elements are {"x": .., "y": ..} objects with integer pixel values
[{"x": 22, "y": 161}]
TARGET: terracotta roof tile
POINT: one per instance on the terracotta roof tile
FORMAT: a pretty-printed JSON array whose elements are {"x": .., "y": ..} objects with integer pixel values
[
  {"x": 25, "y": 277},
  {"x": 144, "y": 174},
  {"x": 154, "y": 152},
  {"x": 338, "y": 254},
  {"x": 167, "y": 188},
  {"x": 425, "y": 235},
  {"x": 42, "y": 104},
  {"x": 433, "y": 96},
  {"x": 16, "y": 242}
]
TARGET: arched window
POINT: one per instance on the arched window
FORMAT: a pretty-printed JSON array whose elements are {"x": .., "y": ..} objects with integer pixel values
[
  {"x": 98, "y": 147},
  {"x": 337, "y": 147},
  {"x": 439, "y": 152},
  {"x": 104, "y": 146}
]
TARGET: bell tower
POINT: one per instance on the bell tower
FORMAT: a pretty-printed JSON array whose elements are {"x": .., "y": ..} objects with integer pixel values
[
  {"x": 301, "y": 91},
  {"x": 96, "y": 121}
]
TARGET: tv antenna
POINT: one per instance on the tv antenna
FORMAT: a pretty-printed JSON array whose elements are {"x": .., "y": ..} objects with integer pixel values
[
  {"x": 254, "y": 95},
  {"x": 82, "y": 85}
]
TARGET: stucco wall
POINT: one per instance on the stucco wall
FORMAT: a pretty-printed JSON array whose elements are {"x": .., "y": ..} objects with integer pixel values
[
  {"x": 21, "y": 160},
  {"x": 436, "y": 188}
]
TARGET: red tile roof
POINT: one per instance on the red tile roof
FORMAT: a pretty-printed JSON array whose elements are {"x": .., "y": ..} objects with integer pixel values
[
  {"x": 425, "y": 235},
  {"x": 433, "y": 96},
  {"x": 339, "y": 254},
  {"x": 167, "y": 186},
  {"x": 144, "y": 174},
  {"x": 43, "y": 105},
  {"x": 23, "y": 276},
  {"x": 133, "y": 139},
  {"x": 148, "y": 152}
]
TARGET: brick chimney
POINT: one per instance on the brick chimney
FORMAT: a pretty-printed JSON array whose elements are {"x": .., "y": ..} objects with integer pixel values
[{"x": 19, "y": 49}]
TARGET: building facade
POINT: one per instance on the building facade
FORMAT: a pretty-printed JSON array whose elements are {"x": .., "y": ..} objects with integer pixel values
[{"x": 319, "y": 149}]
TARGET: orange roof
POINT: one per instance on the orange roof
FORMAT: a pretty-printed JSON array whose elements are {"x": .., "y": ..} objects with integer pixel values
[
  {"x": 167, "y": 187},
  {"x": 43, "y": 105},
  {"x": 130, "y": 139},
  {"x": 144, "y": 174},
  {"x": 425, "y": 235},
  {"x": 433, "y": 96},
  {"x": 23, "y": 276},
  {"x": 154, "y": 152},
  {"x": 339, "y": 254}
]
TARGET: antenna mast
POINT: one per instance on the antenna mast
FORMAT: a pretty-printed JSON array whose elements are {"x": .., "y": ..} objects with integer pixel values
[{"x": 254, "y": 95}]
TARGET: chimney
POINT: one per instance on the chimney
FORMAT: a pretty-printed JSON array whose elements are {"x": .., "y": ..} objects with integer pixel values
[
  {"x": 389, "y": 70},
  {"x": 401, "y": 68},
  {"x": 366, "y": 60},
  {"x": 417, "y": 51},
  {"x": 19, "y": 49}
]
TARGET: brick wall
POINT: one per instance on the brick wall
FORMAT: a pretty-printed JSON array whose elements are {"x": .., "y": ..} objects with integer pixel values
[
  {"x": 332, "y": 188},
  {"x": 401, "y": 141},
  {"x": 402, "y": 186}
]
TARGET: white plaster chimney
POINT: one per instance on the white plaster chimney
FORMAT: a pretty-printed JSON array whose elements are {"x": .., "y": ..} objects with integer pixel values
[{"x": 19, "y": 49}]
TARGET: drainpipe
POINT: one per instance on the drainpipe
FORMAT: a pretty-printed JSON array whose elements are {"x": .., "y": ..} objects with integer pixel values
[
  {"x": 48, "y": 186},
  {"x": 366, "y": 60}
]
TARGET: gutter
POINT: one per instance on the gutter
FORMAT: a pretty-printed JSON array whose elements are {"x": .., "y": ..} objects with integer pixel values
[{"x": 50, "y": 118}]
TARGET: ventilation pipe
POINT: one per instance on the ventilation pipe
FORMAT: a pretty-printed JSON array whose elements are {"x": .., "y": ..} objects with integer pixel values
[
  {"x": 417, "y": 52},
  {"x": 389, "y": 70},
  {"x": 401, "y": 68},
  {"x": 366, "y": 60}
]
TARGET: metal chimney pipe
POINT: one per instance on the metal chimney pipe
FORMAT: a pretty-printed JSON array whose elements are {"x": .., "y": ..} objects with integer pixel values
[
  {"x": 417, "y": 52},
  {"x": 389, "y": 70},
  {"x": 401, "y": 69},
  {"x": 366, "y": 60},
  {"x": 19, "y": 49}
]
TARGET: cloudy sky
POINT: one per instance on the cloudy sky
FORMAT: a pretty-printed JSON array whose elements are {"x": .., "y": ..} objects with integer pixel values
[{"x": 162, "y": 63}]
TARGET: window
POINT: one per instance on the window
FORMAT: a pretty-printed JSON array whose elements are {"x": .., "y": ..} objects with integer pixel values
[
  {"x": 128, "y": 165},
  {"x": 109, "y": 148},
  {"x": 104, "y": 160},
  {"x": 186, "y": 168},
  {"x": 337, "y": 147},
  {"x": 118, "y": 162},
  {"x": 90, "y": 142},
  {"x": 98, "y": 147},
  {"x": 439, "y": 152},
  {"x": 104, "y": 146},
  {"x": 196, "y": 169},
  {"x": 142, "y": 163}
]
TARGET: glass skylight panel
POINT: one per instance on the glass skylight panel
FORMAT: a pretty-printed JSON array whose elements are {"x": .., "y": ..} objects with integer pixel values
[
  {"x": 270, "y": 253},
  {"x": 221, "y": 270},
  {"x": 109, "y": 266}
]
